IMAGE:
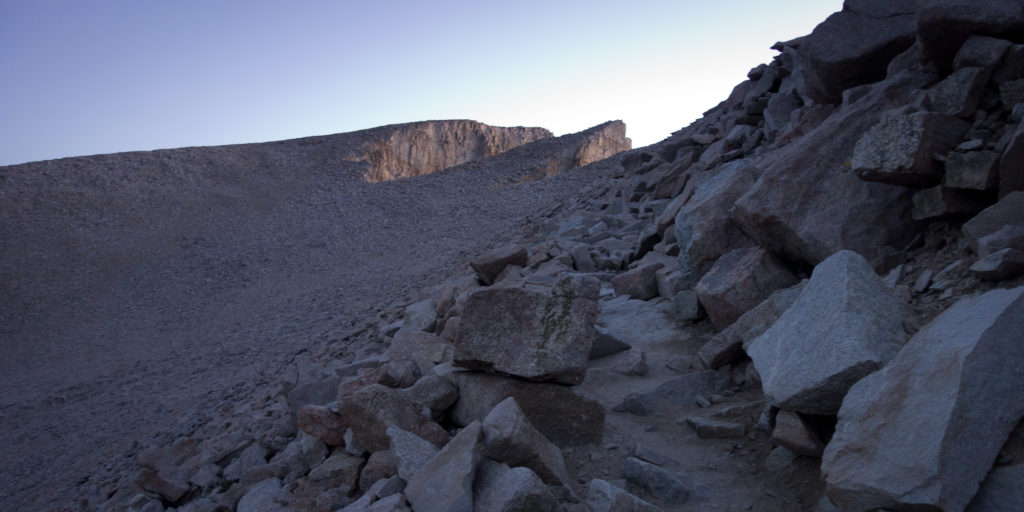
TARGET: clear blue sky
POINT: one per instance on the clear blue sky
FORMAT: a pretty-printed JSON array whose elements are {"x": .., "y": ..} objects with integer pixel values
[{"x": 82, "y": 77}]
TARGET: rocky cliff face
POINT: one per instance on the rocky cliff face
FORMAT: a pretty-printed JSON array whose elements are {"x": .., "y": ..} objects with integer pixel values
[{"x": 414, "y": 149}]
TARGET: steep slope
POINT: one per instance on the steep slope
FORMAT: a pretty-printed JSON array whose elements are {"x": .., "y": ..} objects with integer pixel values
[{"x": 142, "y": 285}]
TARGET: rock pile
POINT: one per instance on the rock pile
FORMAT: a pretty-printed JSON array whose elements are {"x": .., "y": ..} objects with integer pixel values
[{"x": 828, "y": 263}]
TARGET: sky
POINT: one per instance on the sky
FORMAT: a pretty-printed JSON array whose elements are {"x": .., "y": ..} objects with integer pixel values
[{"x": 81, "y": 77}]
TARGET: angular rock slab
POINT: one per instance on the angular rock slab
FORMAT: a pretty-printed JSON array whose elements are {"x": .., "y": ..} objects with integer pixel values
[
  {"x": 605, "y": 497},
  {"x": 727, "y": 346},
  {"x": 510, "y": 438},
  {"x": 703, "y": 228},
  {"x": 924, "y": 431},
  {"x": 567, "y": 416},
  {"x": 899, "y": 150},
  {"x": 660, "y": 483},
  {"x": 371, "y": 410},
  {"x": 1009, "y": 211},
  {"x": 844, "y": 325},
  {"x": 489, "y": 264},
  {"x": 740, "y": 280},
  {"x": 806, "y": 205},
  {"x": 535, "y": 332},
  {"x": 853, "y": 47},
  {"x": 500, "y": 488},
  {"x": 445, "y": 482}
]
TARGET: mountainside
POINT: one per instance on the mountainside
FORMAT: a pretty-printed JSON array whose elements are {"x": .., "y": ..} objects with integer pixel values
[{"x": 810, "y": 299}]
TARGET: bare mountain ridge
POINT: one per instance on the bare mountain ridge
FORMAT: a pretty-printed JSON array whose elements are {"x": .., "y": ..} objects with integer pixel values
[
  {"x": 102, "y": 211},
  {"x": 151, "y": 282}
]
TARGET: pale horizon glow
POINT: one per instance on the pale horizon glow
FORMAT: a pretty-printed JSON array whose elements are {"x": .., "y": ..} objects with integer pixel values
[{"x": 105, "y": 76}]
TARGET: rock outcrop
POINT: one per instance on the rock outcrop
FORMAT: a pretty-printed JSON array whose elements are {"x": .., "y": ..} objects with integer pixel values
[{"x": 415, "y": 149}]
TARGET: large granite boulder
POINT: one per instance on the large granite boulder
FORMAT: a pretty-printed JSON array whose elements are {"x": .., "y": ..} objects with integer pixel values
[
  {"x": 923, "y": 432},
  {"x": 509, "y": 437},
  {"x": 490, "y": 264},
  {"x": 500, "y": 488},
  {"x": 807, "y": 205},
  {"x": 567, "y": 416},
  {"x": 854, "y": 46},
  {"x": 845, "y": 324},
  {"x": 371, "y": 410},
  {"x": 445, "y": 482},
  {"x": 531, "y": 331},
  {"x": 1009, "y": 211},
  {"x": 898, "y": 150},
  {"x": 944, "y": 25},
  {"x": 703, "y": 228},
  {"x": 740, "y": 280}
]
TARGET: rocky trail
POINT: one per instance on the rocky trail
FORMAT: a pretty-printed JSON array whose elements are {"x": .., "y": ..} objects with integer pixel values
[{"x": 810, "y": 299}]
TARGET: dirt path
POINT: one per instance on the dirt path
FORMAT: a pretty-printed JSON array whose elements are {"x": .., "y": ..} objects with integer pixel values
[{"x": 212, "y": 303}]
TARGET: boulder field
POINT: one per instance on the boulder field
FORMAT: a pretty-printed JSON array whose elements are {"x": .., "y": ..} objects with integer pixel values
[{"x": 812, "y": 298}]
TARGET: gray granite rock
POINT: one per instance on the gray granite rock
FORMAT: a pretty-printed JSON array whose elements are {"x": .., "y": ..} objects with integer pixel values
[
  {"x": 957, "y": 386},
  {"x": 530, "y": 331},
  {"x": 844, "y": 325}
]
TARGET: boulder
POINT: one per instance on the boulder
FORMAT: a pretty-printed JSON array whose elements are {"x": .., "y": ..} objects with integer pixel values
[
  {"x": 853, "y": 47},
  {"x": 323, "y": 423},
  {"x": 171, "y": 485},
  {"x": 1011, "y": 164},
  {"x": 260, "y": 497},
  {"x": 433, "y": 392},
  {"x": 844, "y": 325},
  {"x": 999, "y": 265},
  {"x": 372, "y": 409},
  {"x": 740, "y": 280},
  {"x": 1002, "y": 491},
  {"x": 959, "y": 93},
  {"x": 419, "y": 317},
  {"x": 411, "y": 451},
  {"x": 500, "y": 488},
  {"x": 565, "y": 415},
  {"x": 605, "y": 497},
  {"x": 489, "y": 264},
  {"x": 1006, "y": 212},
  {"x": 727, "y": 346},
  {"x": 899, "y": 150},
  {"x": 717, "y": 429},
  {"x": 957, "y": 386},
  {"x": 305, "y": 452},
  {"x": 510, "y": 438},
  {"x": 944, "y": 25},
  {"x": 660, "y": 483},
  {"x": 535, "y": 332},
  {"x": 640, "y": 283},
  {"x": 606, "y": 344},
  {"x": 976, "y": 170},
  {"x": 792, "y": 432},
  {"x": 940, "y": 202},
  {"x": 670, "y": 396},
  {"x": 379, "y": 467},
  {"x": 1007, "y": 237},
  {"x": 427, "y": 350},
  {"x": 633, "y": 364},
  {"x": 704, "y": 230},
  {"x": 400, "y": 373},
  {"x": 339, "y": 470},
  {"x": 641, "y": 324},
  {"x": 805, "y": 206},
  {"x": 445, "y": 482},
  {"x": 982, "y": 52}
]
